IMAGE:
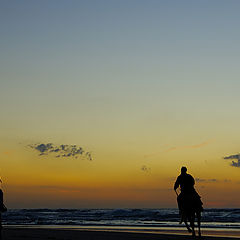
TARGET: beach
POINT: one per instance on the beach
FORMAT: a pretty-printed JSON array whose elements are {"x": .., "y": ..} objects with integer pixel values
[
  {"x": 115, "y": 224},
  {"x": 16, "y": 233}
]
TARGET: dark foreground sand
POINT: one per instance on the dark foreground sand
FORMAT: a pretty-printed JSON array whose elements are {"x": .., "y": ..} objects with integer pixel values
[{"x": 60, "y": 234}]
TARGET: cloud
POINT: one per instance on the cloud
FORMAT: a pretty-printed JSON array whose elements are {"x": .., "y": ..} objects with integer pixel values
[
  {"x": 195, "y": 146},
  {"x": 189, "y": 146},
  {"x": 236, "y": 156},
  {"x": 42, "y": 148},
  {"x": 212, "y": 180},
  {"x": 7, "y": 153},
  {"x": 234, "y": 163},
  {"x": 227, "y": 180},
  {"x": 206, "y": 180},
  {"x": 144, "y": 168},
  {"x": 63, "y": 150}
]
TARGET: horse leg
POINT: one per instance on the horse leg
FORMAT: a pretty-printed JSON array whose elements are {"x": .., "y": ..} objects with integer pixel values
[
  {"x": 187, "y": 226},
  {"x": 192, "y": 218},
  {"x": 199, "y": 223},
  {"x": 184, "y": 219}
]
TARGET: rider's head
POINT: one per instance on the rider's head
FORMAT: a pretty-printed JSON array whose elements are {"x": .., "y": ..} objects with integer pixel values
[{"x": 183, "y": 170}]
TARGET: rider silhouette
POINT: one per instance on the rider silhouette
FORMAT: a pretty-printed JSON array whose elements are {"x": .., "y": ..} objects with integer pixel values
[{"x": 186, "y": 183}]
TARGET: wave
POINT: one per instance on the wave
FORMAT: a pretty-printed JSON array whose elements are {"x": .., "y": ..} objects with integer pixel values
[{"x": 217, "y": 218}]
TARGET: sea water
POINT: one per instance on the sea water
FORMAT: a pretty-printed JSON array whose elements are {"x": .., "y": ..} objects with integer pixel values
[{"x": 146, "y": 218}]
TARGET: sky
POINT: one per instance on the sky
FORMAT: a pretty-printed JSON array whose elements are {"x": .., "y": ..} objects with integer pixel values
[{"x": 125, "y": 93}]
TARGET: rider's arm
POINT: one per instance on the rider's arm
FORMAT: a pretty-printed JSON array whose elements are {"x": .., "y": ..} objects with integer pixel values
[
  {"x": 193, "y": 181},
  {"x": 176, "y": 185}
]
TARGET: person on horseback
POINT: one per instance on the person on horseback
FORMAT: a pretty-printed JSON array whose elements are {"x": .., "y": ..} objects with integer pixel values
[
  {"x": 186, "y": 183},
  {"x": 189, "y": 202}
]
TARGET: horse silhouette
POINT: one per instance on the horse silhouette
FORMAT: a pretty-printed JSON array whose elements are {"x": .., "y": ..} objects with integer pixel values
[
  {"x": 191, "y": 209},
  {"x": 189, "y": 202}
]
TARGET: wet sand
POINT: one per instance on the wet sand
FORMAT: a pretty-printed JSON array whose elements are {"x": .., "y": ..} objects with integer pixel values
[{"x": 11, "y": 233}]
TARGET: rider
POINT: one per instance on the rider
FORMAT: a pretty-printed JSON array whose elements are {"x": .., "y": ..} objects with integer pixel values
[{"x": 186, "y": 183}]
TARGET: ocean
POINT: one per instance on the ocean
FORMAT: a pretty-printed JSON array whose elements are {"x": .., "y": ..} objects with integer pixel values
[{"x": 144, "y": 218}]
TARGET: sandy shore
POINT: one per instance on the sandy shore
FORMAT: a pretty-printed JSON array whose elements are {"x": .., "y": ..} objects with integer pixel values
[{"x": 66, "y": 234}]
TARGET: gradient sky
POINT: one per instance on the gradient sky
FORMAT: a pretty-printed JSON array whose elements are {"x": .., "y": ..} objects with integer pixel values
[{"x": 145, "y": 86}]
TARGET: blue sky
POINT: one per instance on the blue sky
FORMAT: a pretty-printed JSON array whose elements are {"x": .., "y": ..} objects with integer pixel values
[
  {"x": 125, "y": 60},
  {"x": 101, "y": 54}
]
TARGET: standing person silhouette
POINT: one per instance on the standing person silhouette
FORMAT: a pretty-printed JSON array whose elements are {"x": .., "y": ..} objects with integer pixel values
[
  {"x": 2, "y": 206},
  {"x": 186, "y": 183}
]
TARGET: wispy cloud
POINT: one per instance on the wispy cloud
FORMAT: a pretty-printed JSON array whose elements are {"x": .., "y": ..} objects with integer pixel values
[
  {"x": 62, "y": 150},
  {"x": 206, "y": 180},
  {"x": 189, "y": 146},
  {"x": 234, "y": 163},
  {"x": 144, "y": 168},
  {"x": 195, "y": 146},
  {"x": 7, "y": 153},
  {"x": 212, "y": 180}
]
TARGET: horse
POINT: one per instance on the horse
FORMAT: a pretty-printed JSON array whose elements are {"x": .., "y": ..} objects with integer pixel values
[{"x": 191, "y": 208}]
